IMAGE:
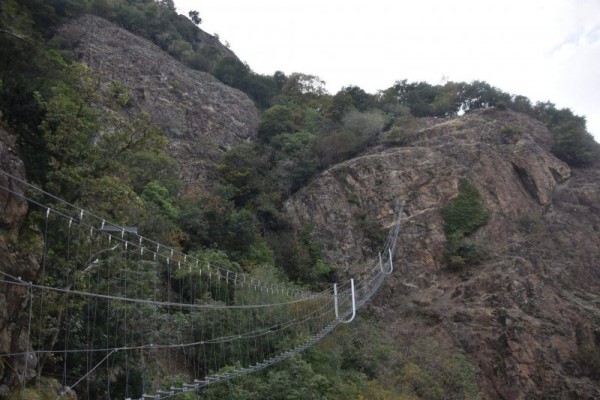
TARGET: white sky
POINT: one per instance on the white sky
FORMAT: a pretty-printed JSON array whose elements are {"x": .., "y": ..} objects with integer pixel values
[{"x": 543, "y": 49}]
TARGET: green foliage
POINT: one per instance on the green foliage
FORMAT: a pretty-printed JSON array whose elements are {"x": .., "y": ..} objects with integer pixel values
[
  {"x": 296, "y": 160},
  {"x": 259, "y": 254},
  {"x": 363, "y": 361},
  {"x": 372, "y": 230},
  {"x": 44, "y": 389},
  {"x": 200, "y": 290},
  {"x": 320, "y": 270},
  {"x": 152, "y": 165},
  {"x": 118, "y": 167},
  {"x": 357, "y": 131},
  {"x": 261, "y": 88},
  {"x": 120, "y": 93},
  {"x": 588, "y": 358},
  {"x": 98, "y": 161},
  {"x": 478, "y": 95},
  {"x": 243, "y": 168},
  {"x": 423, "y": 99},
  {"x": 349, "y": 98},
  {"x": 352, "y": 198},
  {"x": 157, "y": 194},
  {"x": 234, "y": 73},
  {"x": 262, "y": 174},
  {"x": 465, "y": 214},
  {"x": 302, "y": 86},
  {"x": 299, "y": 254},
  {"x": 276, "y": 120},
  {"x": 211, "y": 220},
  {"x": 231, "y": 71},
  {"x": 159, "y": 22},
  {"x": 69, "y": 127},
  {"x": 509, "y": 134},
  {"x": 432, "y": 372},
  {"x": 461, "y": 252},
  {"x": 572, "y": 143},
  {"x": 293, "y": 379},
  {"x": 195, "y": 17}
]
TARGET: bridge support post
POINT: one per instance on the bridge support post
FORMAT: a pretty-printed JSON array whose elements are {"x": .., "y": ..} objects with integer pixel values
[{"x": 335, "y": 302}]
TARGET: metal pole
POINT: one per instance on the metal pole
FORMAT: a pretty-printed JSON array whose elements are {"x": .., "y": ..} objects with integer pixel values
[{"x": 353, "y": 303}]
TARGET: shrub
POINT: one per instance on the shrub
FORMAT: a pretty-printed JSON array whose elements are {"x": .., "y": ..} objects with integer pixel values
[
  {"x": 277, "y": 119},
  {"x": 465, "y": 214},
  {"x": 460, "y": 252},
  {"x": 357, "y": 132},
  {"x": 509, "y": 134},
  {"x": 572, "y": 142},
  {"x": 353, "y": 198},
  {"x": 588, "y": 357},
  {"x": 374, "y": 234}
]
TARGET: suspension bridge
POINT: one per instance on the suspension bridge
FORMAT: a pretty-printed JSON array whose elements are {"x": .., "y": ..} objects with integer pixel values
[{"x": 110, "y": 310}]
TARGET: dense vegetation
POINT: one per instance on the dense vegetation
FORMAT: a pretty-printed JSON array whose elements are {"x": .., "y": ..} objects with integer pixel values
[
  {"x": 119, "y": 168},
  {"x": 463, "y": 216}
]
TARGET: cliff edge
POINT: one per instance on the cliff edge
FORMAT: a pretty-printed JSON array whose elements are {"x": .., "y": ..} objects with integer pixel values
[{"x": 528, "y": 312}]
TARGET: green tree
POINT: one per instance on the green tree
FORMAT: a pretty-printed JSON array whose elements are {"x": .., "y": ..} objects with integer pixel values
[
  {"x": 277, "y": 119},
  {"x": 157, "y": 194},
  {"x": 211, "y": 220},
  {"x": 572, "y": 142},
  {"x": 195, "y": 17},
  {"x": 262, "y": 89},
  {"x": 231, "y": 72},
  {"x": 297, "y": 85},
  {"x": 244, "y": 168},
  {"x": 479, "y": 94},
  {"x": 297, "y": 160},
  {"x": 168, "y": 4},
  {"x": 341, "y": 103}
]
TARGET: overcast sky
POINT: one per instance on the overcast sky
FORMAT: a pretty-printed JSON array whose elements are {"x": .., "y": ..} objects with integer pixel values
[{"x": 543, "y": 49}]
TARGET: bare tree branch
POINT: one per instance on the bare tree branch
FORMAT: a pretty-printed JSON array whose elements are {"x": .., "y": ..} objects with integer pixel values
[{"x": 16, "y": 35}]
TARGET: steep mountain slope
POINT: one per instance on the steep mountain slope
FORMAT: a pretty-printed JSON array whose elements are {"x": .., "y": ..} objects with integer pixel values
[
  {"x": 525, "y": 313},
  {"x": 201, "y": 116},
  {"x": 528, "y": 315}
]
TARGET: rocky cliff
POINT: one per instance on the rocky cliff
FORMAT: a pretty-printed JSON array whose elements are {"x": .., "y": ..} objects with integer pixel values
[
  {"x": 529, "y": 312},
  {"x": 17, "y": 261},
  {"x": 201, "y": 117}
]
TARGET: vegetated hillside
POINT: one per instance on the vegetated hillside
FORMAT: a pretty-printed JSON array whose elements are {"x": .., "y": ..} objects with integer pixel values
[
  {"x": 498, "y": 253},
  {"x": 201, "y": 117},
  {"x": 497, "y": 259}
]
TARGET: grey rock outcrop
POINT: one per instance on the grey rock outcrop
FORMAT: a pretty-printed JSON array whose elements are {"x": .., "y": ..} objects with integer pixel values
[
  {"x": 201, "y": 117},
  {"x": 524, "y": 313}
]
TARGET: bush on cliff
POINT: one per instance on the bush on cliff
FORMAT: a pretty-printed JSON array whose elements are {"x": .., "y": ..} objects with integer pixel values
[{"x": 463, "y": 216}]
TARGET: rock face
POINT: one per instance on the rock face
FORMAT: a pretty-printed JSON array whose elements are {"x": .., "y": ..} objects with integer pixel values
[
  {"x": 526, "y": 313},
  {"x": 200, "y": 116},
  {"x": 16, "y": 262}
]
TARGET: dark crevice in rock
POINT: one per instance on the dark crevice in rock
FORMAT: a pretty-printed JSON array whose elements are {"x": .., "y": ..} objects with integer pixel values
[{"x": 527, "y": 181}]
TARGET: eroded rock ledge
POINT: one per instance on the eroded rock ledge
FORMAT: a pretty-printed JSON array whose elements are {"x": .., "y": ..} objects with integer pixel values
[{"x": 523, "y": 314}]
